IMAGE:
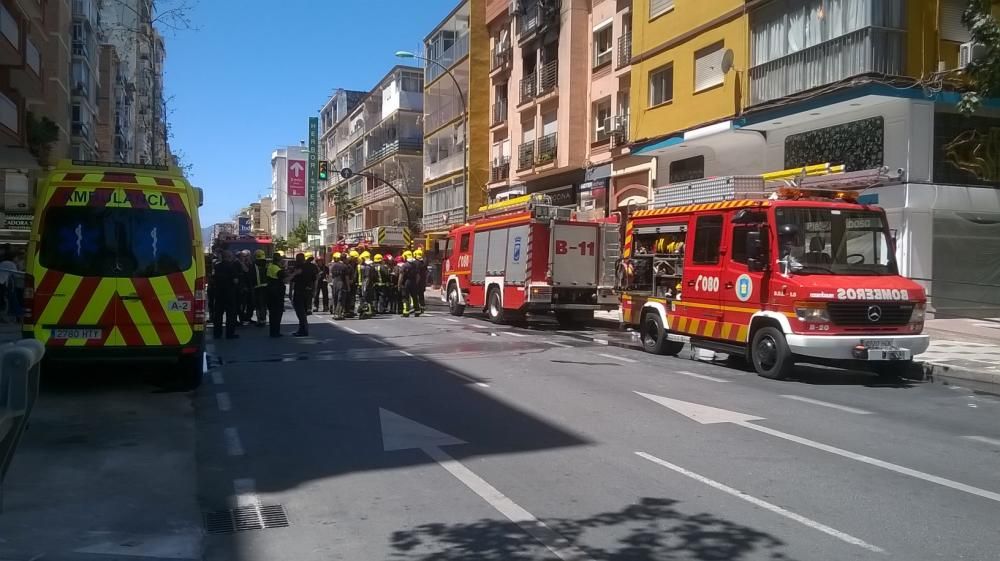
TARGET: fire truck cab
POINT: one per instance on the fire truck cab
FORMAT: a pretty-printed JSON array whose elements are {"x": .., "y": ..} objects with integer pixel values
[
  {"x": 801, "y": 273},
  {"x": 525, "y": 255}
]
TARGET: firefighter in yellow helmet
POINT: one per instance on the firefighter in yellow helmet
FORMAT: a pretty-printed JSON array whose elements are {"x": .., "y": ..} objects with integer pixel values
[
  {"x": 340, "y": 275},
  {"x": 275, "y": 274},
  {"x": 366, "y": 285},
  {"x": 353, "y": 257},
  {"x": 421, "y": 282},
  {"x": 381, "y": 274},
  {"x": 407, "y": 282}
]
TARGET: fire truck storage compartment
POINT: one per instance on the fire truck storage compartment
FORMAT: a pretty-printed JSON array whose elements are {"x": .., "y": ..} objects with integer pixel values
[
  {"x": 517, "y": 253},
  {"x": 496, "y": 259},
  {"x": 658, "y": 259},
  {"x": 479, "y": 252},
  {"x": 575, "y": 261},
  {"x": 710, "y": 190}
]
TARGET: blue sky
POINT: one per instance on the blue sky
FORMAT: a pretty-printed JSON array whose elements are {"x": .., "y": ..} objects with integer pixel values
[{"x": 247, "y": 80}]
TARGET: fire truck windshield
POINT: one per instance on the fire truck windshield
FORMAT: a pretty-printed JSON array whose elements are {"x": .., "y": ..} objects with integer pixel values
[{"x": 824, "y": 241}]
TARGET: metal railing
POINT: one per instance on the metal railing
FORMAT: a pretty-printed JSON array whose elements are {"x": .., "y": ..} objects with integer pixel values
[
  {"x": 500, "y": 170},
  {"x": 501, "y": 57},
  {"x": 529, "y": 87},
  {"x": 390, "y": 148},
  {"x": 548, "y": 77},
  {"x": 529, "y": 21},
  {"x": 444, "y": 218},
  {"x": 868, "y": 50},
  {"x": 526, "y": 155},
  {"x": 624, "y": 50},
  {"x": 499, "y": 112},
  {"x": 547, "y": 149},
  {"x": 447, "y": 59}
]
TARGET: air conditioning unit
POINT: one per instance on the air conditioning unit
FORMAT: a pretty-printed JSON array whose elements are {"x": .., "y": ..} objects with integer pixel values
[
  {"x": 969, "y": 52},
  {"x": 514, "y": 8}
]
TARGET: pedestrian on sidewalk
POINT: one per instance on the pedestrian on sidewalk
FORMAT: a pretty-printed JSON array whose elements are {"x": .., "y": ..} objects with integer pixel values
[
  {"x": 301, "y": 279},
  {"x": 226, "y": 275},
  {"x": 276, "y": 276}
]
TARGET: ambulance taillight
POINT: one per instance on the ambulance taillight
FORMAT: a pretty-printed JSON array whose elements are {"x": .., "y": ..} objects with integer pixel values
[
  {"x": 199, "y": 300},
  {"x": 29, "y": 299}
]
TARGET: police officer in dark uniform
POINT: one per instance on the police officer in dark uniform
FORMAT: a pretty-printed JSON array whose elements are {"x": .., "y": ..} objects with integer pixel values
[
  {"x": 340, "y": 274},
  {"x": 421, "y": 282},
  {"x": 301, "y": 280},
  {"x": 226, "y": 276}
]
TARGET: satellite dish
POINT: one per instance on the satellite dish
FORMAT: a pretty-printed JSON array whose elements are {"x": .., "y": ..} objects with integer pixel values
[{"x": 727, "y": 61}]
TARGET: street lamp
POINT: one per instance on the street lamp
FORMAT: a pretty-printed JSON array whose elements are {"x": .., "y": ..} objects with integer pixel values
[{"x": 465, "y": 113}]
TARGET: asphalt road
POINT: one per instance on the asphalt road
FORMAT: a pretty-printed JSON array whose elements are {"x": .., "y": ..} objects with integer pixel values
[{"x": 441, "y": 438}]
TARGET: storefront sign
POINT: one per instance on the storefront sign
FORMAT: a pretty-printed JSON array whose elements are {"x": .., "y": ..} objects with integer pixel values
[
  {"x": 18, "y": 221},
  {"x": 966, "y": 150},
  {"x": 313, "y": 174},
  {"x": 562, "y": 196}
]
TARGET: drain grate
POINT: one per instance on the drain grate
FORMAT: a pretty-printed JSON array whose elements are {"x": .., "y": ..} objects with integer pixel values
[{"x": 244, "y": 518}]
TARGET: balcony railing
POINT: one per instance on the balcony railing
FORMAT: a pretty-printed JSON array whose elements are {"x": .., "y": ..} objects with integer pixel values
[
  {"x": 868, "y": 50},
  {"x": 446, "y": 59},
  {"x": 390, "y": 148},
  {"x": 619, "y": 130},
  {"x": 501, "y": 56},
  {"x": 500, "y": 170},
  {"x": 382, "y": 192},
  {"x": 529, "y": 87},
  {"x": 441, "y": 218},
  {"x": 530, "y": 20},
  {"x": 548, "y": 78},
  {"x": 624, "y": 50},
  {"x": 499, "y": 112},
  {"x": 444, "y": 166},
  {"x": 547, "y": 149},
  {"x": 526, "y": 155}
]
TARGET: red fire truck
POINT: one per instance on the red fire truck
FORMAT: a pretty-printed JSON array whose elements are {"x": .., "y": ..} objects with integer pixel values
[
  {"x": 801, "y": 273},
  {"x": 525, "y": 255},
  {"x": 235, "y": 243}
]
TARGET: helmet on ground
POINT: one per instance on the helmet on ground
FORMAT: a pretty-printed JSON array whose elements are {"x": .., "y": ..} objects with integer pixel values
[
  {"x": 353, "y": 254},
  {"x": 418, "y": 254},
  {"x": 336, "y": 255},
  {"x": 365, "y": 255},
  {"x": 259, "y": 254},
  {"x": 407, "y": 254},
  {"x": 378, "y": 258}
]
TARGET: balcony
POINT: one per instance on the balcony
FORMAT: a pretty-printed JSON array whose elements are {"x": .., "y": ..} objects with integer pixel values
[
  {"x": 441, "y": 219},
  {"x": 381, "y": 192},
  {"x": 549, "y": 78},
  {"x": 529, "y": 87},
  {"x": 547, "y": 149},
  {"x": 500, "y": 170},
  {"x": 499, "y": 113},
  {"x": 393, "y": 147},
  {"x": 444, "y": 166},
  {"x": 447, "y": 59},
  {"x": 525, "y": 155},
  {"x": 501, "y": 57},
  {"x": 624, "y": 50},
  {"x": 82, "y": 130},
  {"x": 868, "y": 50},
  {"x": 10, "y": 38},
  {"x": 529, "y": 20}
]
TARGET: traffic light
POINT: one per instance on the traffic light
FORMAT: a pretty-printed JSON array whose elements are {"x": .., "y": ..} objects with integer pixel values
[{"x": 324, "y": 168}]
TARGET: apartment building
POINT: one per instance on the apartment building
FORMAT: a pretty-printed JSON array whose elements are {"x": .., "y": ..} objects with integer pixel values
[
  {"x": 289, "y": 168},
  {"x": 729, "y": 88},
  {"x": 113, "y": 108},
  {"x": 452, "y": 110},
  {"x": 262, "y": 223},
  {"x": 384, "y": 141},
  {"x": 84, "y": 79},
  {"x": 34, "y": 95},
  {"x": 335, "y": 135}
]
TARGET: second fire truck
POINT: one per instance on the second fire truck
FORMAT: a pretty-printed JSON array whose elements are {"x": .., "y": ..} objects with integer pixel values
[
  {"x": 801, "y": 273},
  {"x": 524, "y": 256}
]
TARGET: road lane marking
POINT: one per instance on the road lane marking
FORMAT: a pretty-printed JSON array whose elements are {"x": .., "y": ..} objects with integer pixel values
[
  {"x": 512, "y": 334},
  {"x": 245, "y": 491},
  {"x": 453, "y": 320},
  {"x": 764, "y": 504},
  {"x": 482, "y": 384},
  {"x": 354, "y": 331},
  {"x": 217, "y": 378},
  {"x": 618, "y": 358},
  {"x": 558, "y": 344},
  {"x": 481, "y": 326},
  {"x": 827, "y": 404},
  {"x": 223, "y": 400},
  {"x": 700, "y": 376},
  {"x": 407, "y": 353},
  {"x": 706, "y": 415},
  {"x": 984, "y": 439},
  {"x": 233, "y": 445},
  {"x": 601, "y": 341},
  {"x": 467, "y": 378}
]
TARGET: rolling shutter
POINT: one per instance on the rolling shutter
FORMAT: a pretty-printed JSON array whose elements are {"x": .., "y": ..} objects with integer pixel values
[
  {"x": 657, "y": 7},
  {"x": 708, "y": 67},
  {"x": 952, "y": 28}
]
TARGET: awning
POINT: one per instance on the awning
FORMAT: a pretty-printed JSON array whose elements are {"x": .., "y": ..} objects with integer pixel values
[{"x": 721, "y": 138}]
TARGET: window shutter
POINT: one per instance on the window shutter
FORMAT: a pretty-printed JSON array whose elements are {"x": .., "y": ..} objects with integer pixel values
[
  {"x": 657, "y": 7},
  {"x": 708, "y": 67},
  {"x": 952, "y": 28}
]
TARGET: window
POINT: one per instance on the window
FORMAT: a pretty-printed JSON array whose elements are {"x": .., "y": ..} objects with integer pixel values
[
  {"x": 739, "y": 249},
  {"x": 602, "y": 46},
  {"x": 951, "y": 26},
  {"x": 687, "y": 169},
  {"x": 602, "y": 120},
  {"x": 657, "y": 7},
  {"x": 76, "y": 113},
  {"x": 708, "y": 67},
  {"x": 707, "y": 238},
  {"x": 661, "y": 85},
  {"x": 411, "y": 83},
  {"x": 463, "y": 246}
]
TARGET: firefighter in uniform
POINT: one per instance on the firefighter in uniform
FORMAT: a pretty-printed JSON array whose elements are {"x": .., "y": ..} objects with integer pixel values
[
  {"x": 340, "y": 274},
  {"x": 227, "y": 275},
  {"x": 421, "y": 282},
  {"x": 407, "y": 282},
  {"x": 275, "y": 294},
  {"x": 352, "y": 282},
  {"x": 381, "y": 273},
  {"x": 260, "y": 287},
  {"x": 364, "y": 285}
]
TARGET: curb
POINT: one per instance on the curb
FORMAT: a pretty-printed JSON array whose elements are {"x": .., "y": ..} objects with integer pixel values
[{"x": 972, "y": 379}]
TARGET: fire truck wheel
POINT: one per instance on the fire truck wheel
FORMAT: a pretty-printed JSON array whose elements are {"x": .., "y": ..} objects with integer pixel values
[
  {"x": 191, "y": 368},
  {"x": 770, "y": 354},
  {"x": 494, "y": 309},
  {"x": 654, "y": 337},
  {"x": 454, "y": 308}
]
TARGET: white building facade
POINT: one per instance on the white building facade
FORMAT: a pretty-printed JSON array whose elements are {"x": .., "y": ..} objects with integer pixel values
[{"x": 289, "y": 208}]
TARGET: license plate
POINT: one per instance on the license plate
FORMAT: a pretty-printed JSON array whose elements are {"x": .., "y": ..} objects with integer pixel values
[
  {"x": 888, "y": 354},
  {"x": 76, "y": 333},
  {"x": 878, "y": 344}
]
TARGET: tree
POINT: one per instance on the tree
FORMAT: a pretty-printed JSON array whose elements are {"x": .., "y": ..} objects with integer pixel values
[
  {"x": 983, "y": 73},
  {"x": 299, "y": 235},
  {"x": 280, "y": 243},
  {"x": 42, "y": 132},
  {"x": 343, "y": 203}
]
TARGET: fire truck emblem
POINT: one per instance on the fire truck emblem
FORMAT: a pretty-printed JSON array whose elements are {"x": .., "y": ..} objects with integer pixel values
[
  {"x": 517, "y": 249},
  {"x": 874, "y": 313},
  {"x": 744, "y": 287}
]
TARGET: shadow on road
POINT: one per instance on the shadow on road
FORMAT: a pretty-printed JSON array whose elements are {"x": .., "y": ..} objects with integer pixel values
[{"x": 652, "y": 528}]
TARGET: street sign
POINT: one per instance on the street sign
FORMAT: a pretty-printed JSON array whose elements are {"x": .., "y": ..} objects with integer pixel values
[
  {"x": 313, "y": 174},
  {"x": 296, "y": 178},
  {"x": 244, "y": 225},
  {"x": 346, "y": 173}
]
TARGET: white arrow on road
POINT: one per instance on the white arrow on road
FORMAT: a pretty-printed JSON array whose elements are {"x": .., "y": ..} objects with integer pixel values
[
  {"x": 707, "y": 415},
  {"x": 401, "y": 433}
]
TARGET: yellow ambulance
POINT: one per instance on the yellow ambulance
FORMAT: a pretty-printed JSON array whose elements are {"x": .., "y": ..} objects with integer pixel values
[{"x": 115, "y": 268}]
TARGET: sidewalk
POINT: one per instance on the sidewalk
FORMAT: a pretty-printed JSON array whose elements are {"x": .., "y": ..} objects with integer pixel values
[{"x": 962, "y": 351}]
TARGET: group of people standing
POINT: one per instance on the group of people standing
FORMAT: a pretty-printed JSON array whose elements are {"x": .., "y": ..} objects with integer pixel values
[{"x": 356, "y": 283}]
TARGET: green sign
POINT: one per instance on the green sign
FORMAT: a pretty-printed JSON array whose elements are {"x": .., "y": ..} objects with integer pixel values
[{"x": 313, "y": 186}]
